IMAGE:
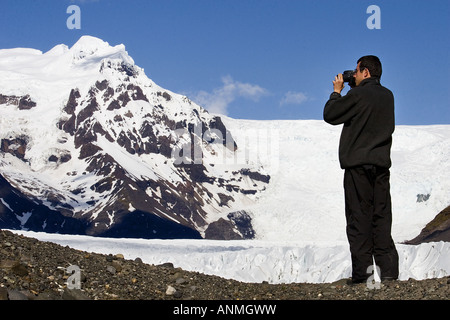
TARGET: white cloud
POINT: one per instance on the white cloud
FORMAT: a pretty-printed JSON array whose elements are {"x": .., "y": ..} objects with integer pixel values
[
  {"x": 292, "y": 97},
  {"x": 218, "y": 100}
]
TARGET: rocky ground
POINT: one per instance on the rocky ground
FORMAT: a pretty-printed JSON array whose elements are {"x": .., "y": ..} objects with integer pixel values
[{"x": 36, "y": 270}]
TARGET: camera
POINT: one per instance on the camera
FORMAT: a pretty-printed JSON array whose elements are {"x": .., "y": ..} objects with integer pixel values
[{"x": 347, "y": 75}]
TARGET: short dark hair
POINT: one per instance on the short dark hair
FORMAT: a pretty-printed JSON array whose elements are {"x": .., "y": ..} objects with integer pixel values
[{"x": 371, "y": 63}]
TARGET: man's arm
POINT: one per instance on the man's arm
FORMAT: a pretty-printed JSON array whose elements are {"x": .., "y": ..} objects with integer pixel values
[{"x": 339, "y": 109}]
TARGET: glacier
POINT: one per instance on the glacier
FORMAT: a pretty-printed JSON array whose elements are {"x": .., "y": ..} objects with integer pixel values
[{"x": 259, "y": 260}]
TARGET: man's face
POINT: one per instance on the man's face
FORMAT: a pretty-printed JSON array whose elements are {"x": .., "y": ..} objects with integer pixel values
[{"x": 359, "y": 76}]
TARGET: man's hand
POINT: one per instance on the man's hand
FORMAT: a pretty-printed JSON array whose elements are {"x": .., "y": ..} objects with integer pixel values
[{"x": 338, "y": 83}]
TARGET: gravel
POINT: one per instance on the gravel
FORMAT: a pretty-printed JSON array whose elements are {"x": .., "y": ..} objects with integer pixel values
[{"x": 35, "y": 270}]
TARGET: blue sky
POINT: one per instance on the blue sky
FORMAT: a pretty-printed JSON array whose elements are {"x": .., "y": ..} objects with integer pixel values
[{"x": 259, "y": 59}]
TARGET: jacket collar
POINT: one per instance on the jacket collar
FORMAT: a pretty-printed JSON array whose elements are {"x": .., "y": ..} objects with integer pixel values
[{"x": 371, "y": 80}]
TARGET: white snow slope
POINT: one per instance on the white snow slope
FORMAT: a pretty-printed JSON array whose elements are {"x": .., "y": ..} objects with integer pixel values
[{"x": 299, "y": 219}]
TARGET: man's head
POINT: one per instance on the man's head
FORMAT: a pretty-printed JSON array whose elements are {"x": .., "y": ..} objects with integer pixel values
[{"x": 368, "y": 66}]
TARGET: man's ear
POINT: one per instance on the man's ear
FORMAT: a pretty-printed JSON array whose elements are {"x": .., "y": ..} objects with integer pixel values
[{"x": 366, "y": 73}]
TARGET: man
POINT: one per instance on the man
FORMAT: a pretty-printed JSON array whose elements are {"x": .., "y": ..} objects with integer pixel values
[{"x": 367, "y": 113}]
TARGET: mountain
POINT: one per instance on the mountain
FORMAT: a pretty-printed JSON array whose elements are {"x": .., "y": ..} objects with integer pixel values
[{"x": 90, "y": 145}]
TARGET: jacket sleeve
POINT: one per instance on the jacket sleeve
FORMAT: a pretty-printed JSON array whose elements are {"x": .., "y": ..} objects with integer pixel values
[{"x": 340, "y": 109}]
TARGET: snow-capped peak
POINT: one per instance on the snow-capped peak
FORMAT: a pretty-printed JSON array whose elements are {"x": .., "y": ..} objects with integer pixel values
[{"x": 88, "y": 47}]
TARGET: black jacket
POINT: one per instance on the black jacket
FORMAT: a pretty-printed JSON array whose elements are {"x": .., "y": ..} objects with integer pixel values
[{"x": 367, "y": 112}]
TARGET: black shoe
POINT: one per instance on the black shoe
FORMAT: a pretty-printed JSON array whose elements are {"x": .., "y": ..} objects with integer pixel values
[
  {"x": 388, "y": 279},
  {"x": 352, "y": 282}
]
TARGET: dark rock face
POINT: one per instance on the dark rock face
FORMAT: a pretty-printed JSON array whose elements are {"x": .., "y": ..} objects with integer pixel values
[
  {"x": 436, "y": 230},
  {"x": 23, "y": 103},
  {"x": 138, "y": 224},
  {"x": 221, "y": 230},
  {"x": 16, "y": 146},
  {"x": 108, "y": 198},
  {"x": 18, "y": 211},
  {"x": 237, "y": 226},
  {"x": 243, "y": 223}
]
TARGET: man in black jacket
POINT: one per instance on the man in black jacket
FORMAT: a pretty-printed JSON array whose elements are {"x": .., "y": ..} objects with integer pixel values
[{"x": 367, "y": 113}]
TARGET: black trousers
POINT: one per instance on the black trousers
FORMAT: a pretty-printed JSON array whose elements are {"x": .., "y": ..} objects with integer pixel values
[{"x": 369, "y": 218}]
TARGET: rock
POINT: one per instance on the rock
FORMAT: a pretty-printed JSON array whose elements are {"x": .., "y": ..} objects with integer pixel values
[
  {"x": 170, "y": 290},
  {"x": 74, "y": 294},
  {"x": 178, "y": 294},
  {"x": 17, "y": 295},
  {"x": 3, "y": 294},
  {"x": 48, "y": 296},
  {"x": 111, "y": 269},
  {"x": 7, "y": 264},
  {"x": 116, "y": 265},
  {"x": 20, "y": 270},
  {"x": 16, "y": 267},
  {"x": 222, "y": 230},
  {"x": 180, "y": 280},
  {"x": 176, "y": 275},
  {"x": 166, "y": 265}
]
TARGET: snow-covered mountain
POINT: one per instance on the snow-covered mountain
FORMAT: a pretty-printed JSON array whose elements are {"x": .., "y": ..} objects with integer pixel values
[{"x": 90, "y": 145}]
